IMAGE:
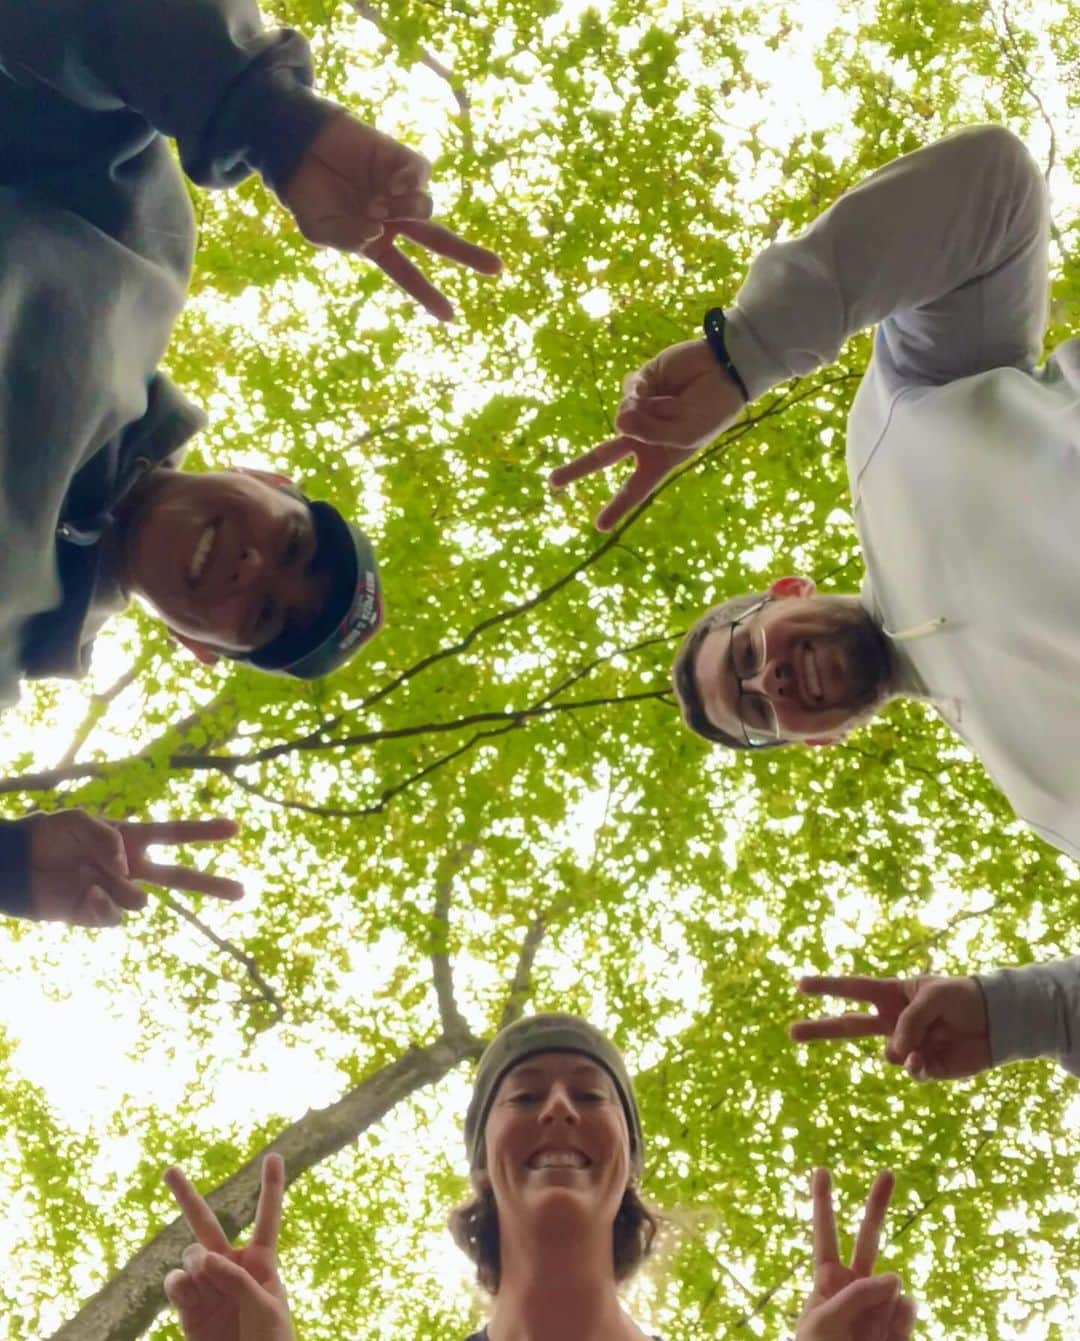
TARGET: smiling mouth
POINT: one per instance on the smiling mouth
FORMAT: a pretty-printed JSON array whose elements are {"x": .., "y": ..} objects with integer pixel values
[
  {"x": 558, "y": 1159},
  {"x": 203, "y": 548},
  {"x": 811, "y": 690}
]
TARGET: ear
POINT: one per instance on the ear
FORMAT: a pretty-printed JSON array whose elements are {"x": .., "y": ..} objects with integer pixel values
[
  {"x": 199, "y": 651},
  {"x": 792, "y": 586},
  {"x": 481, "y": 1181}
]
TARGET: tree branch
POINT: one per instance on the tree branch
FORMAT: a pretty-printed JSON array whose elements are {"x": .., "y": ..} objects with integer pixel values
[
  {"x": 371, "y": 14},
  {"x": 521, "y": 987},
  {"x": 800, "y": 390},
  {"x": 124, "y": 1308},
  {"x": 249, "y": 965},
  {"x": 454, "y": 1023},
  {"x": 1010, "y": 47},
  {"x": 99, "y": 704},
  {"x": 388, "y": 794}
]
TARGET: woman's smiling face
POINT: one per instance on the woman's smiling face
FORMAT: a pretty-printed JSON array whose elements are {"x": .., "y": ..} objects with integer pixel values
[{"x": 556, "y": 1142}]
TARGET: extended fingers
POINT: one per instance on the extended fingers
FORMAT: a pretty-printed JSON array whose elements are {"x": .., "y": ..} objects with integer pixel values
[
  {"x": 412, "y": 281},
  {"x": 826, "y": 1242},
  {"x": 633, "y": 491},
  {"x": 598, "y": 458},
  {"x": 271, "y": 1195},
  {"x": 849, "y": 1025},
  {"x": 171, "y": 832},
  {"x": 874, "y": 991},
  {"x": 865, "y": 1252},
  {"x": 195, "y": 882},
  {"x": 201, "y": 1220},
  {"x": 445, "y": 242}
]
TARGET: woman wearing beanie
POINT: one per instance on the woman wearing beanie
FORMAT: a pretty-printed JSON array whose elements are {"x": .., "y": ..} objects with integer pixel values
[{"x": 556, "y": 1224}]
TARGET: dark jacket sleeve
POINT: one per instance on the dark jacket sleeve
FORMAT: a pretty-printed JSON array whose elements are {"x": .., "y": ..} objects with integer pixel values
[
  {"x": 14, "y": 868},
  {"x": 234, "y": 95}
]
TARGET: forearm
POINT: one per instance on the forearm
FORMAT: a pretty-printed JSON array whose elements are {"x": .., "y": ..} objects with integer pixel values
[
  {"x": 904, "y": 241},
  {"x": 1034, "y": 1012},
  {"x": 234, "y": 95}
]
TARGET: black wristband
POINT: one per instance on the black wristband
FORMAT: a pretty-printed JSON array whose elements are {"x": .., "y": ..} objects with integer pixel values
[{"x": 713, "y": 325}]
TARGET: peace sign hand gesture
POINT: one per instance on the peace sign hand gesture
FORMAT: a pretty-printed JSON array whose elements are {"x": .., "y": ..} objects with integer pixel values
[
  {"x": 357, "y": 190},
  {"x": 225, "y": 1293},
  {"x": 847, "y": 1303},
  {"x": 84, "y": 870},
  {"x": 676, "y": 403},
  {"x": 936, "y": 1028}
]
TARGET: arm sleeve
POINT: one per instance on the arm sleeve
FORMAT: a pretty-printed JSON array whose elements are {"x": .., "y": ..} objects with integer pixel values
[
  {"x": 14, "y": 868},
  {"x": 234, "y": 95},
  {"x": 1034, "y": 1012},
  {"x": 946, "y": 248}
]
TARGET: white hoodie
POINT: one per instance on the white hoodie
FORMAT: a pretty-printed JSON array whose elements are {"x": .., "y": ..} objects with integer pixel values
[
  {"x": 963, "y": 455},
  {"x": 1034, "y": 1012}
]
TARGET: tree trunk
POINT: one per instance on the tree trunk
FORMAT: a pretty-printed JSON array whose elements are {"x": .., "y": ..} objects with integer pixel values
[{"x": 127, "y": 1305}]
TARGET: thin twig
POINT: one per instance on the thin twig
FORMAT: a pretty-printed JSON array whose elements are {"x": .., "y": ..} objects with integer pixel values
[
  {"x": 251, "y": 968},
  {"x": 99, "y": 704}
]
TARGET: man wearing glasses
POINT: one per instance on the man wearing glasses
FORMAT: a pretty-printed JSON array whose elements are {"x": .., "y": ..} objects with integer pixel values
[{"x": 964, "y": 461}]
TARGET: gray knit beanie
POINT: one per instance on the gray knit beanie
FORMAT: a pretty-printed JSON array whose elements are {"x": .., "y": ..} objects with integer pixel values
[{"x": 546, "y": 1033}]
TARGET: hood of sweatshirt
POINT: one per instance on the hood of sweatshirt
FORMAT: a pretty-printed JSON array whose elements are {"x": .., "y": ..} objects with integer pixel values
[{"x": 58, "y": 642}]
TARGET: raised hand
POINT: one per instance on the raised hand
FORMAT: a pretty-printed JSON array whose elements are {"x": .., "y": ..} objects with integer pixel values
[
  {"x": 676, "y": 403},
  {"x": 225, "y": 1293},
  {"x": 847, "y": 1302},
  {"x": 936, "y": 1028},
  {"x": 84, "y": 870},
  {"x": 358, "y": 190}
]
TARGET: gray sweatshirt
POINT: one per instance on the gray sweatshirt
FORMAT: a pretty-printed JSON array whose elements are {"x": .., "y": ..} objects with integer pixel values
[
  {"x": 96, "y": 244},
  {"x": 963, "y": 453},
  {"x": 1034, "y": 1012}
]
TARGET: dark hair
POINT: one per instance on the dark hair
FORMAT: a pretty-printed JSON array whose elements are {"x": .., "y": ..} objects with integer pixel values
[
  {"x": 475, "y": 1229},
  {"x": 685, "y": 683}
]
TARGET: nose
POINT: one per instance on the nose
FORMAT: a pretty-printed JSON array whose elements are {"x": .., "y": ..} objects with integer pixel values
[
  {"x": 774, "y": 680},
  {"x": 558, "y": 1106},
  {"x": 246, "y": 567}
]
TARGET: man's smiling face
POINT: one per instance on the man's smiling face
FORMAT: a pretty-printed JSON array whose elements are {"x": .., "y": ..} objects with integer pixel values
[
  {"x": 226, "y": 559},
  {"x": 799, "y": 667}
]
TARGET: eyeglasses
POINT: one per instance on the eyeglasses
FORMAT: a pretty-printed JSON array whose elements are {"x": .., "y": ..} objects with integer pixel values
[{"x": 747, "y": 654}]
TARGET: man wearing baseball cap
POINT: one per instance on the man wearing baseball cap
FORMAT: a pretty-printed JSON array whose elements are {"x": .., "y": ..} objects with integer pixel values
[{"x": 96, "y": 246}]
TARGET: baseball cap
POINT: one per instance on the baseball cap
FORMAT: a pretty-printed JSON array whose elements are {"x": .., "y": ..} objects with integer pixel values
[{"x": 353, "y": 612}]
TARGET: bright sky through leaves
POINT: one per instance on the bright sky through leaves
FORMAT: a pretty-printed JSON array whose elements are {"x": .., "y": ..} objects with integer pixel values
[{"x": 628, "y": 161}]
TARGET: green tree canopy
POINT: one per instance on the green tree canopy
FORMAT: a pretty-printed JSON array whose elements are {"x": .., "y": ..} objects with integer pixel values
[{"x": 494, "y": 809}]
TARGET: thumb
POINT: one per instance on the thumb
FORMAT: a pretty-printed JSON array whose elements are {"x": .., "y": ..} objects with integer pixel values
[
  {"x": 912, "y": 1025},
  {"x": 861, "y": 1296},
  {"x": 234, "y": 1282}
]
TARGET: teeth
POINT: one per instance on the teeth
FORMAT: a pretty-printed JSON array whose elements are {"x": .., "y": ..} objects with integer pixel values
[
  {"x": 202, "y": 553},
  {"x": 813, "y": 680},
  {"x": 559, "y": 1159}
]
